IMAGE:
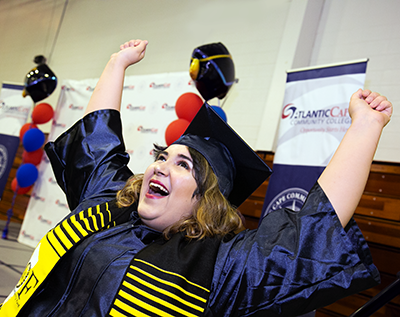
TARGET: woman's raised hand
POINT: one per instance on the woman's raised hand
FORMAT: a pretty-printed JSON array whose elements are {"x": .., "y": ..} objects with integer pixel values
[
  {"x": 131, "y": 52},
  {"x": 108, "y": 91},
  {"x": 365, "y": 104}
]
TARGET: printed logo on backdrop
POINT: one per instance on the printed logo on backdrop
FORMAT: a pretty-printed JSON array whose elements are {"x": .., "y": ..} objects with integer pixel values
[
  {"x": 27, "y": 235},
  {"x": 72, "y": 107},
  {"x": 61, "y": 204},
  {"x": 3, "y": 159},
  {"x": 14, "y": 110},
  {"x": 34, "y": 196},
  {"x": 58, "y": 124},
  {"x": 65, "y": 88},
  {"x": 167, "y": 107},
  {"x": 130, "y": 107},
  {"x": 292, "y": 198},
  {"x": 43, "y": 220},
  {"x": 129, "y": 87},
  {"x": 52, "y": 181},
  {"x": 154, "y": 85},
  {"x": 142, "y": 129}
]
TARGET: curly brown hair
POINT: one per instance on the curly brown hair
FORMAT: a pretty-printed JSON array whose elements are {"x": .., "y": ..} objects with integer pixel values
[{"x": 212, "y": 215}]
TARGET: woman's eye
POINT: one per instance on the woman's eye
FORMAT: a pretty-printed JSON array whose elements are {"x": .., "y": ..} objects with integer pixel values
[
  {"x": 184, "y": 164},
  {"x": 160, "y": 158}
]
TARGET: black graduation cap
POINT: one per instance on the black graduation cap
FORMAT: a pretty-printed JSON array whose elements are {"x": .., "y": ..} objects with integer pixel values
[
  {"x": 239, "y": 169},
  {"x": 40, "y": 82}
]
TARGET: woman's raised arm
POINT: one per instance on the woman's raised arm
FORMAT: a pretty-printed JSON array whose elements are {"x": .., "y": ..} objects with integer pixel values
[
  {"x": 108, "y": 91},
  {"x": 345, "y": 177}
]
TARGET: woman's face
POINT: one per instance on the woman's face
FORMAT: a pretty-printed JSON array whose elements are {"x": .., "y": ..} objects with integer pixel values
[{"x": 167, "y": 190}]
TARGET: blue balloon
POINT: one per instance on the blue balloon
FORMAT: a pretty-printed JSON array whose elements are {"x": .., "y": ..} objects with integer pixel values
[
  {"x": 33, "y": 140},
  {"x": 220, "y": 112},
  {"x": 27, "y": 174}
]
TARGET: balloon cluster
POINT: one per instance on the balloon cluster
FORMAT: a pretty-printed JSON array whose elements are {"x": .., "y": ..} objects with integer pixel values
[
  {"x": 32, "y": 140},
  {"x": 186, "y": 107},
  {"x": 39, "y": 82}
]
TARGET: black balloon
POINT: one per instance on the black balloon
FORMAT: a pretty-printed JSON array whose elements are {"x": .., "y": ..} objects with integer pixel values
[
  {"x": 212, "y": 70},
  {"x": 40, "y": 82}
]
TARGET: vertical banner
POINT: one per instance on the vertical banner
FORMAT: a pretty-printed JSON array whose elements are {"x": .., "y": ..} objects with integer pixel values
[
  {"x": 314, "y": 120},
  {"x": 14, "y": 111},
  {"x": 147, "y": 108}
]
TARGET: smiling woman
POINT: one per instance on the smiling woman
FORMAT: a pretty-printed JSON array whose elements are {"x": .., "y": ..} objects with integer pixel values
[
  {"x": 209, "y": 214},
  {"x": 172, "y": 173},
  {"x": 166, "y": 243}
]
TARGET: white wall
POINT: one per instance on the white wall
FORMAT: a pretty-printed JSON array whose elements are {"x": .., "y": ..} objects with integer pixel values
[{"x": 252, "y": 30}]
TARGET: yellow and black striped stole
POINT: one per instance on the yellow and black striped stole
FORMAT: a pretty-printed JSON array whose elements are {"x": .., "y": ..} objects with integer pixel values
[
  {"x": 168, "y": 278},
  {"x": 55, "y": 244},
  {"x": 75, "y": 228}
]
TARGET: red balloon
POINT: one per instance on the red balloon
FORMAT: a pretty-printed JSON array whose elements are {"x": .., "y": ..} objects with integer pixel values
[
  {"x": 26, "y": 127},
  {"x": 33, "y": 157},
  {"x": 188, "y": 105},
  {"x": 42, "y": 113},
  {"x": 21, "y": 190},
  {"x": 174, "y": 130}
]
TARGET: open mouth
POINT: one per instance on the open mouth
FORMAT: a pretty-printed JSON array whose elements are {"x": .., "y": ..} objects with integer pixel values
[{"x": 157, "y": 189}]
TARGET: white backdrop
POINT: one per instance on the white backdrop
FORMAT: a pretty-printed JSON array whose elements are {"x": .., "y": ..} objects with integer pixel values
[{"x": 148, "y": 107}]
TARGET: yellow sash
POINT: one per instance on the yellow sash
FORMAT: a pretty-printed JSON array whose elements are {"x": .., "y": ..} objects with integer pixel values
[{"x": 49, "y": 251}]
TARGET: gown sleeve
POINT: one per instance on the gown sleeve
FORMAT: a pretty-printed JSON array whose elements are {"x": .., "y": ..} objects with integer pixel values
[
  {"x": 89, "y": 159},
  {"x": 293, "y": 263}
]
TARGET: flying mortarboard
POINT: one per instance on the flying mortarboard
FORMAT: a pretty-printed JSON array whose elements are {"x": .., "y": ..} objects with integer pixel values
[{"x": 239, "y": 169}]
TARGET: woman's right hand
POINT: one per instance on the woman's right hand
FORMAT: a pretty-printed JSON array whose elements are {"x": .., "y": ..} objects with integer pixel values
[
  {"x": 131, "y": 52},
  {"x": 108, "y": 91}
]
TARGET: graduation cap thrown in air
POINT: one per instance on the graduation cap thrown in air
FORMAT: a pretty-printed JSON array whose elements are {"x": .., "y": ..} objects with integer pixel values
[{"x": 239, "y": 169}]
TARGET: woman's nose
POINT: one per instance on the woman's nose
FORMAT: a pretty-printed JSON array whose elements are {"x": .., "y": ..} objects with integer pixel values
[{"x": 161, "y": 169}]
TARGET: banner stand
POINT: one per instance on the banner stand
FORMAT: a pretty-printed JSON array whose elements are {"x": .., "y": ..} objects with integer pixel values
[{"x": 313, "y": 121}]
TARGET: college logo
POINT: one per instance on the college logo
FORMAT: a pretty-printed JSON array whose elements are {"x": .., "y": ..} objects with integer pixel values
[
  {"x": 3, "y": 159},
  {"x": 292, "y": 198},
  {"x": 67, "y": 88},
  {"x": 14, "y": 109},
  {"x": 167, "y": 107},
  {"x": 58, "y": 124},
  {"x": 37, "y": 197},
  {"x": 288, "y": 110},
  {"x": 158, "y": 86},
  {"x": 61, "y": 204},
  {"x": 331, "y": 115},
  {"x": 27, "y": 235},
  {"x": 141, "y": 129},
  {"x": 52, "y": 181},
  {"x": 72, "y": 107},
  {"x": 135, "y": 108},
  {"x": 43, "y": 220}
]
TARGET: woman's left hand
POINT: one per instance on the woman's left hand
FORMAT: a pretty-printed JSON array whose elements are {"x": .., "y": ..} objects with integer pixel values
[{"x": 365, "y": 104}]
